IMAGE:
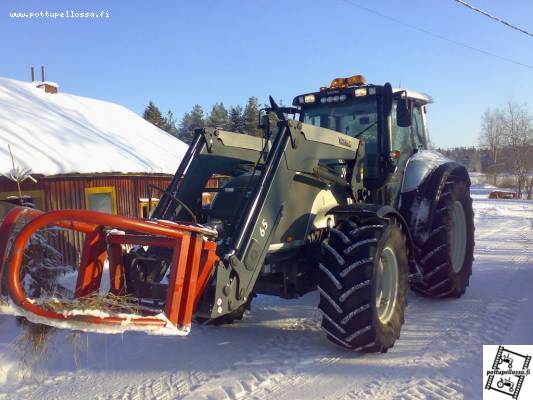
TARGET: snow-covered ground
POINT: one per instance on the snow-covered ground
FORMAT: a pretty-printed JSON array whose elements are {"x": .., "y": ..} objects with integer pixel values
[{"x": 278, "y": 350}]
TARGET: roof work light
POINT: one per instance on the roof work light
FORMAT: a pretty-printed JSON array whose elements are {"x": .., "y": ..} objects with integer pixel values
[{"x": 341, "y": 83}]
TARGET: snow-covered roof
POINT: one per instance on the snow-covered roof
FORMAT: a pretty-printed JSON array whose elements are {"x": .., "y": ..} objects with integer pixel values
[{"x": 63, "y": 134}]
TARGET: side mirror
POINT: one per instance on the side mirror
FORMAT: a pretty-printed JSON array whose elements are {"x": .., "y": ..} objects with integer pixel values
[
  {"x": 387, "y": 98},
  {"x": 264, "y": 121},
  {"x": 403, "y": 112}
]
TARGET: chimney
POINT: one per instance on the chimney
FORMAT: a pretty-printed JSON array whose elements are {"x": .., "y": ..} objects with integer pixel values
[
  {"x": 49, "y": 87},
  {"x": 32, "y": 74}
]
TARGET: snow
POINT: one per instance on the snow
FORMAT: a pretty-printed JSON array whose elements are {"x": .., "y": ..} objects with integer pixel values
[
  {"x": 279, "y": 351},
  {"x": 168, "y": 329},
  {"x": 62, "y": 133},
  {"x": 418, "y": 166}
]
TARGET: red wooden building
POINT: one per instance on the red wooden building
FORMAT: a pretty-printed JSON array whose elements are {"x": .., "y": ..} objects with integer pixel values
[{"x": 83, "y": 153}]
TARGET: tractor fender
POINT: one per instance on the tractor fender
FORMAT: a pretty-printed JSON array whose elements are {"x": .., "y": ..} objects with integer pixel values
[
  {"x": 419, "y": 199},
  {"x": 419, "y": 166},
  {"x": 365, "y": 210}
]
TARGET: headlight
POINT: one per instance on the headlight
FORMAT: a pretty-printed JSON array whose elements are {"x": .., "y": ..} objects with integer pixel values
[
  {"x": 359, "y": 92},
  {"x": 310, "y": 98}
]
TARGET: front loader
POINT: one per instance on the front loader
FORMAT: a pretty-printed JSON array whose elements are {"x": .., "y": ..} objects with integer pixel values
[{"x": 345, "y": 199}]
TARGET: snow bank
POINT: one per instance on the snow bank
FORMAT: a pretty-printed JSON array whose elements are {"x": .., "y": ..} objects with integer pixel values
[
  {"x": 62, "y": 133},
  {"x": 9, "y": 364},
  {"x": 168, "y": 329}
]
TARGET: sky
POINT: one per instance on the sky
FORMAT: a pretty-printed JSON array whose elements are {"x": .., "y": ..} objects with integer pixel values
[{"x": 182, "y": 53}]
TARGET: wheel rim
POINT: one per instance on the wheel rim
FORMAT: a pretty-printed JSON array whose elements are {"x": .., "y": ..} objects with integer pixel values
[
  {"x": 387, "y": 285},
  {"x": 458, "y": 237}
]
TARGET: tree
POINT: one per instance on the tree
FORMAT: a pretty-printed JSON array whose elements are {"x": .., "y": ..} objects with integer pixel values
[
  {"x": 251, "y": 117},
  {"x": 218, "y": 117},
  {"x": 518, "y": 133},
  {"x": 191, "y": 121},
  {"x": 492, "y": 138},
  {"x": 153, "y": 114},
  {"x": 169, "y": 124},
  {"x": 237, "y": 122}
]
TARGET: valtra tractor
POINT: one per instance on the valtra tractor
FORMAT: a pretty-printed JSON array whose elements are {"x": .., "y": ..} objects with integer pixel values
[{"x": 341, "y": 194}]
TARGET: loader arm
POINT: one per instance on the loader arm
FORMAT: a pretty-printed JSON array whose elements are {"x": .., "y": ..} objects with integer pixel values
[{"x": 295, "y": 149}]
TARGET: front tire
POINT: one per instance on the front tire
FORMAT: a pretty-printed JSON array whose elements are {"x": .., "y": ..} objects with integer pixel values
[
  {"x": 362, "y": 282},
  {"x": 447, "y": 255}
]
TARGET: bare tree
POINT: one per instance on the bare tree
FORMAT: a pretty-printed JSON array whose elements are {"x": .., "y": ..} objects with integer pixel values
[
  {"x": 491, "y": 132},
  {"x": 492, "y": 138},
  {"x": 518, "y": 135}
]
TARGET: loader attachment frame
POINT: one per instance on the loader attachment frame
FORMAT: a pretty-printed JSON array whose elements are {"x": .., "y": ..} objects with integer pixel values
[
  {"x": 292, "y": 152},
  {"x": 193, "y": 257}
]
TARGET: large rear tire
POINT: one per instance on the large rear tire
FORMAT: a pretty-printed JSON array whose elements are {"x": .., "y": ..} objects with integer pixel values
[
  {"x": 447, "y": 255},
  {"x": 362, "y": 281}
]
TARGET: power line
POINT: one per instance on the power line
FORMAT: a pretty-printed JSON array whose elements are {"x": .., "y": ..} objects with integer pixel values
[
  {"x": 495, "y": 18},
  {"x": 436, "y": 35}
]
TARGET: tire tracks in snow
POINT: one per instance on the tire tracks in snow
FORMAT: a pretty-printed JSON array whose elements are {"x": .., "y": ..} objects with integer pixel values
[
  {"x": 274, "y": 367},
  {"x": 482, "y": 324}
]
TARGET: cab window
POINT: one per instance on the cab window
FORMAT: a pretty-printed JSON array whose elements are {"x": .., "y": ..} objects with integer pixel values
[
  {"x": 403, "y": 138},
  {"x": 357, "y": 119},
  {"x": 418, "y": 127}
]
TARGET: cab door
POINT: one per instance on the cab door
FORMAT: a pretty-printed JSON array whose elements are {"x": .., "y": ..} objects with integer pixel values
[{"x": 406, "y": 141}]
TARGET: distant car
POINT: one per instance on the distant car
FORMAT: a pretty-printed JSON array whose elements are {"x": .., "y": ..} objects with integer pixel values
[{"x": 500, "y": 194}]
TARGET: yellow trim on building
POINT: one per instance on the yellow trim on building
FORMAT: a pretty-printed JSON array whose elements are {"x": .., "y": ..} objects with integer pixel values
[
  {"x": 143, "y": 204},
  {"x": 102, "y": 190}
]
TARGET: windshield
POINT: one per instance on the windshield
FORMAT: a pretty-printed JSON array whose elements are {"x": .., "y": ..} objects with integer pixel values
[
  {"x": 349, "y": 118},
  {"x": 357, "y": 118}
]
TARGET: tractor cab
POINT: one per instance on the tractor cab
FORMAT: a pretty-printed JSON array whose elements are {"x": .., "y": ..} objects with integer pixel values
[{"x": 390, "y": 122}]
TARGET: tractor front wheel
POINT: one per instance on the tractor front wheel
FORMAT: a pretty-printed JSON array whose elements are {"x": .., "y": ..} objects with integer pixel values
[{"x": 362, "y": 282}]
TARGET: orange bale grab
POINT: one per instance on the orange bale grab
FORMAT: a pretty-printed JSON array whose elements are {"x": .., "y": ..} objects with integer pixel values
[{"x": 192, "y": 261}]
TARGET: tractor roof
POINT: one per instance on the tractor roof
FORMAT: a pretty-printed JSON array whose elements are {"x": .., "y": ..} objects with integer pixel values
[
  {"x": 421, "y": 97},
  {"x": 346, "y": 86}
]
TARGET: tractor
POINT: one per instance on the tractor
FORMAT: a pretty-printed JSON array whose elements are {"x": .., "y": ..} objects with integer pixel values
[
  {"x": 506, "y": 383},
  {"x": 341, "y": 194}
]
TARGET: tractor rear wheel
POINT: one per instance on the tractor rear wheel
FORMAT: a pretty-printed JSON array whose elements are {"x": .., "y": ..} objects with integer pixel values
[
  {"x": 447, "y": 255},
  {"x": 362, "y": 280}
]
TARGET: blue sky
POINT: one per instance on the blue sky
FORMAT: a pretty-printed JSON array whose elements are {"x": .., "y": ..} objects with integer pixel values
[{"x": 181, "y": 53}]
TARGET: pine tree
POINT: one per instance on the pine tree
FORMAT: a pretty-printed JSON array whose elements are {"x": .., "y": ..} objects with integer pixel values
[
  {"x": 237, "y": 122},
  {"x": 189, "y": 122},
  {"x": 251, "y": 117},
  {"x": 218, "y": 118},
  {"x": 170, "y": 124},
  {"x": 152, "y": 114}
]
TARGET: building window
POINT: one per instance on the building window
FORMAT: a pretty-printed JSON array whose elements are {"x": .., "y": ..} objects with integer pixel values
[
  {"x": 103, "y": 199},
  {"x": 36, "y": 197},
  {"x": 146, "y": 207}
]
